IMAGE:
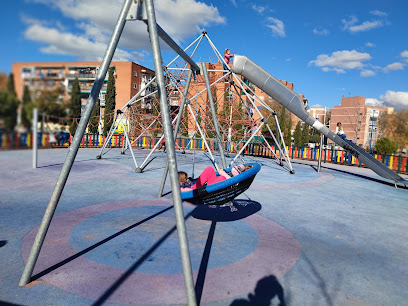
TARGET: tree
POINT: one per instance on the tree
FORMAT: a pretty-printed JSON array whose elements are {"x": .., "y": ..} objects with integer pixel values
[
  {"x": 186, "y": 121},
  {"x": 75, "y": 105},
  {"x": 386, "y": 146},
  {"x": 94, "y": 121},
  {"x": 9, "y": 104},
  {"x": 10, "y": 85},
  {"x": 8, "y": 109},
  {"x": 305, "y": 134},
  {"x": 47, "y": 103},
  {"x": 289, "y": 138},
  {"x": 26, "y": 107},
  {"x": 110, "y": 102},
  {"x": 297, "y": 135},
  {"x": 3, "y": 81},
  {"x": 395, "y": 127},
  {"x": 282, "y": 120}
]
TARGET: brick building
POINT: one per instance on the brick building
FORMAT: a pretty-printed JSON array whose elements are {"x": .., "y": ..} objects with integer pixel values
[
  {"x": 224, "y": 94},
  {"x": 359, "y": 121},
  {"x": 129, "y": 78}
]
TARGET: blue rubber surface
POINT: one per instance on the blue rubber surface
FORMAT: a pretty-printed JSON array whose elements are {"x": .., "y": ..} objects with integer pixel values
[{"x": 337, "y": 237}]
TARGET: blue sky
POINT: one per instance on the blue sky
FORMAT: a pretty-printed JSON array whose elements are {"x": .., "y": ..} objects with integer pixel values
[{"x": 326, "y": 48}]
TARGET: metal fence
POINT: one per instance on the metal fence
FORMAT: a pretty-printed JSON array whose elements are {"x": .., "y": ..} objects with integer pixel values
[{"x": 397, "y": 163}]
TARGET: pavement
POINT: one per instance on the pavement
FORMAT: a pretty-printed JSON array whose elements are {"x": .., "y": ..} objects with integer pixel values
[{"x": 334, "y": 237}]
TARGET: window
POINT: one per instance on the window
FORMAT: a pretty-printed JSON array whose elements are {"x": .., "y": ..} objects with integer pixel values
[
  {"x": 135, "y": 73},
  {"x": 134, "y": 85}
]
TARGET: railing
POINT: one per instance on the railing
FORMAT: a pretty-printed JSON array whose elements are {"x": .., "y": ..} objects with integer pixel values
[
  {"x": 397, "y": 163},
  {"x": 81, "y": 75}
]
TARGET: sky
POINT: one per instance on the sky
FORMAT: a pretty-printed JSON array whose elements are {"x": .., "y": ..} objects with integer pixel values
[{"x": 327, "y": 49}]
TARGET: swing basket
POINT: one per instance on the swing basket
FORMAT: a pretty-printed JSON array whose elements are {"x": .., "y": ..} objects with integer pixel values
[{"x": 224, "y": 191}]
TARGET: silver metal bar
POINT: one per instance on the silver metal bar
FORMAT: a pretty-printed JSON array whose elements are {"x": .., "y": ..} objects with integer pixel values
[
  {"x": 198, "y": 38},
  {"x": 246, "y": 144},
  {"x": 73, "y": 150},
  {"x": 202, "y": 136},
  {"x": 35, "y": 137},
  {"x": 128, "y": 144},
  {"x": 319, "y": 161},
  {"x": 155, "y": 146},
  {"x": 176, "y": 128},
  {"x": 138, "y": 94},
  {"x": 112, "y": 128},
  {"x": 214, "y": 114},
  {"x": 171, "y": 155},
  {"x": 172, "y": 44},
  {"x": 281, "y": 142}
]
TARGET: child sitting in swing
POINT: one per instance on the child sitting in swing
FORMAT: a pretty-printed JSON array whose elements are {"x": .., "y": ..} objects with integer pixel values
[{"x": 208, "y": 176}]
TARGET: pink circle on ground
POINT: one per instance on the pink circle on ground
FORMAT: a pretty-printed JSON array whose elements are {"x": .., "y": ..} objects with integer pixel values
[{"x": 276, "y": 253}]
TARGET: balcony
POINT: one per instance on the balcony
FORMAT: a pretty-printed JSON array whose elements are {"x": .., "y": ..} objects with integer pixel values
[
  {"x": 87, "y": 89},
  {"x": 86, "y": 76}
]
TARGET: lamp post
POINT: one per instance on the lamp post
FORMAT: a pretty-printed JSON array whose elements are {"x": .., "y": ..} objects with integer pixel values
[
  {"x": 373, "y": 118},
  {"x": 319, "y": 161}
]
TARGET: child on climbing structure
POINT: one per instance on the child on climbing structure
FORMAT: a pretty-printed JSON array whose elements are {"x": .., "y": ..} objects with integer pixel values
[{"x": 227, "y": 57}]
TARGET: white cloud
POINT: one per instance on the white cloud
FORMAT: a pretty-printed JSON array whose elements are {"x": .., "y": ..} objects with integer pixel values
[
  {"x": 68, "y": 44},
  {"x": 349, "y": 23},
  {"x": 394, "y": 66},
  {"x": 379, "y": 13},
  {"x": 234, "y": 3},
  {"x": 365, "y": 26},
  {"x": 277, "y": 26},
  {"x": 258, "y": 8},
  {"x": 367, "y": 73},
  {"x": 95, "y": 21},
  {"x": 369, "y": 44},
  {"x": 373, "y": 102},
  {"x": 339, "y": 61},
  {"x": 352, "y": 26},
  {"x": 404, "y": 55},
  {"x": 323, "y": 32},
  {"x": 315, "y": 106},
  {"x": 397, "y": 99}
]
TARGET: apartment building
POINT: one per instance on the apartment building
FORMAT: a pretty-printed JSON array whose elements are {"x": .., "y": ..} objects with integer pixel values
[
  {"x": 359, "y": 121},
  {"x": 129, "y": 79}
]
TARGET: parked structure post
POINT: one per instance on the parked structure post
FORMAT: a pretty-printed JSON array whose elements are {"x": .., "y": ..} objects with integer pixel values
[{"x": 35, "y": 137}]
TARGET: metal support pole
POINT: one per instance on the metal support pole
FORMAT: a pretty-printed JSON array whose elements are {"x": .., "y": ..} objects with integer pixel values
[
  {"x": 179, "y": 117},
  {"x": 35, "y": 137},
  {"x": 319, "y": 161},
  {"x": 171, "y": 156},
  {"x": 246, "y": 144},
  {"x": 214, "y": 113},
  {"x": 73, "y": 150}
]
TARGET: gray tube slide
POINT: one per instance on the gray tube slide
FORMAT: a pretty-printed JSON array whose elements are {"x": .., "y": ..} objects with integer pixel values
[{"x": 293, "y": 102}]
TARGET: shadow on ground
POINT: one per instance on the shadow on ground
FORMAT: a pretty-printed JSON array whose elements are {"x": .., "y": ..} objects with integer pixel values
[
  {"x": 226, "y": 213},
  {"x": 267, "y": 289}
]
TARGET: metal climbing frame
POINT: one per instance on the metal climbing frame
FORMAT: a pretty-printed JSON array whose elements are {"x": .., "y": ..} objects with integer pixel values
[{"x": 175, "y": 76}]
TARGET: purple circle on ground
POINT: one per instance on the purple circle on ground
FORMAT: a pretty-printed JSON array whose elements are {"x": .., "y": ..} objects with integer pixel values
[{"x": 275, "y": 254}]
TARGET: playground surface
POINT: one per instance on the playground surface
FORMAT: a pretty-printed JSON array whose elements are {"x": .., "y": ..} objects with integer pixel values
[{"x": 337, "y": 237}]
